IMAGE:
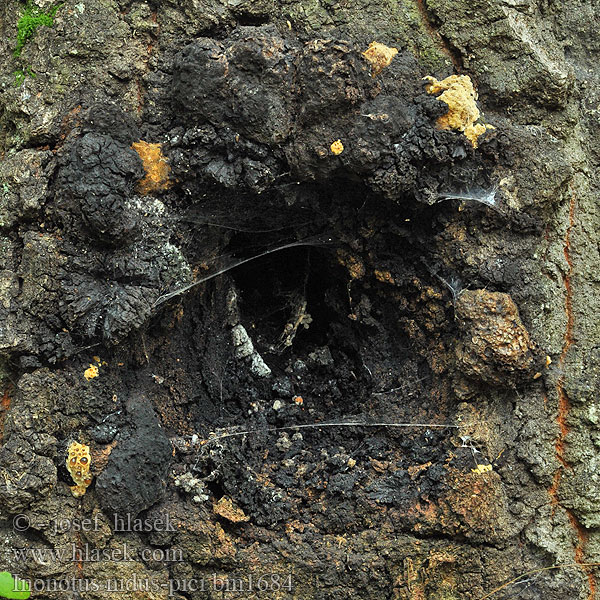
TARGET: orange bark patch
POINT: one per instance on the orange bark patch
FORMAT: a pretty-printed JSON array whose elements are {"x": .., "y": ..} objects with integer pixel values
[
  {"x": 71, "y": 121},
  {"x": 100, "y": 457},
  {"x": 4, "y": 406},
  {"x": 156, "y": 166},
  {"x": 564, "y": 407},
  {"x": 5, "y": 402}
]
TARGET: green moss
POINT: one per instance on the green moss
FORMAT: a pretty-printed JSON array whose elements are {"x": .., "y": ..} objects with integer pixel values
[
  {"x": 32, "y": 18},
  {"x": 22, "y": 74},
  {"x": 420, "y": 40},
  {"x": 13, "y": 588}
]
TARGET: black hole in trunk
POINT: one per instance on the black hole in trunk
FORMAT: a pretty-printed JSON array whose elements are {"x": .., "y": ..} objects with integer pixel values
[
  {"x": 215, "y": 489},
  {"x": 280, "y": 288},
  {"x": 252, "y": 20}
]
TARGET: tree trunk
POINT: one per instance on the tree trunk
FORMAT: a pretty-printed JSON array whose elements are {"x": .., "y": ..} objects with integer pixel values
[{"x": 297, "y": 299}]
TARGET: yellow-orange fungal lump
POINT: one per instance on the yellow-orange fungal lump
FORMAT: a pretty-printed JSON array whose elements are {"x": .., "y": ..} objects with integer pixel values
[
  {"x": 91, "y": 372},
  {"x": 337, "y": 147},
  {"x": 94, "y": 369},
  {"x": 458, "y": 93},
  {"x": 78, "y": 464},
  {"x": 380, "y": 56},
  {"x": 157, "y": 168}
]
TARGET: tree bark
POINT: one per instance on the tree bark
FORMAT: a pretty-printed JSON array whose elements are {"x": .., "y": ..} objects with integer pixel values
[{"x": 326, "y": 318}]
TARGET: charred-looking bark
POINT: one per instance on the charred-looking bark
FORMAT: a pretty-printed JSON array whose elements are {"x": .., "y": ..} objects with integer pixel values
[{"x": 298, "y": 300}]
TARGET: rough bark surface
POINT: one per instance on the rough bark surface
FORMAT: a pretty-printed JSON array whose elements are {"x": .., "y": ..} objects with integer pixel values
[{"x": 195, "y": 274}]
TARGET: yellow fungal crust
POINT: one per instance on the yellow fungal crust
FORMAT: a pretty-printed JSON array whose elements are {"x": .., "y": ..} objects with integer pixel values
[
  {"x": 355, "y": 266},
  {"x": 91, "y": 372},
  {"x": 156, "y": 167},
  {"x": 94, "y": 369},
  {"x": 384, "y": 276},
  {"x": 458, "y": 93},
  {"x": 380, "y": 56},
  {"x": 480, "y": 469},
  {"x": 337, "y": 147},
  {"x": 78, "y": 464}
]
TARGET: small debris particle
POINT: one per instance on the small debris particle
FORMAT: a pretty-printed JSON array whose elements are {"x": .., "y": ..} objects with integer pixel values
[{"x": 416, "y": 470}]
